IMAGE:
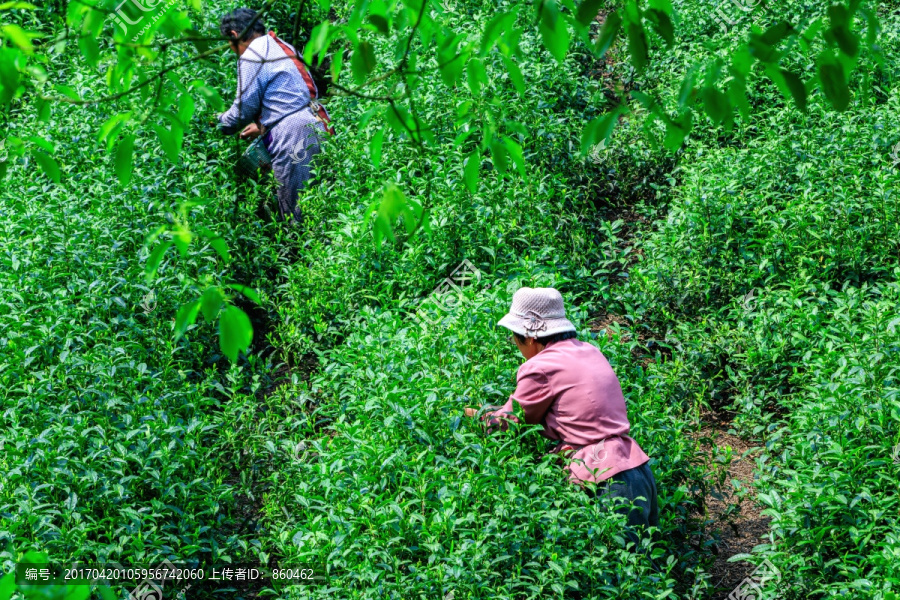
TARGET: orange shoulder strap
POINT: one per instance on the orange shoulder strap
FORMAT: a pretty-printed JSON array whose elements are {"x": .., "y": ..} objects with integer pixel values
[{"x": 310, "y": 82}]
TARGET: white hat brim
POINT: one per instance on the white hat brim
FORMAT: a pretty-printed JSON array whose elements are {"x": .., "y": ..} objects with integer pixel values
[{"x": 517, "y": 325}]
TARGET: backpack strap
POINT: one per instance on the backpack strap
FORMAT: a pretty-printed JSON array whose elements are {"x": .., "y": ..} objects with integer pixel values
[{"x": 320, "y": 111}]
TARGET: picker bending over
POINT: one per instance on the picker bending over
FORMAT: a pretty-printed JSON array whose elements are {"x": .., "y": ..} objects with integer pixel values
[
  {"x": 570, "y": 388},
  {"x": 273, "y": 91}
]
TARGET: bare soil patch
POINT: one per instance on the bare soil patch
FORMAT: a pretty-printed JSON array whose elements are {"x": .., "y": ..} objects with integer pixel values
[{"x": 737, "y": 525}]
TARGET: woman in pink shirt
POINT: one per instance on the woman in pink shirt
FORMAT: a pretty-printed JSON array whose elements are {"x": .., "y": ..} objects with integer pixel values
[{"x": 569, "y": 387}]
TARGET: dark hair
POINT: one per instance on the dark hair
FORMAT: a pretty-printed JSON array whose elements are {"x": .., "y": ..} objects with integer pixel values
[
  {"x": 238, "y": 20},
  {"x": 556, "y": 337}
]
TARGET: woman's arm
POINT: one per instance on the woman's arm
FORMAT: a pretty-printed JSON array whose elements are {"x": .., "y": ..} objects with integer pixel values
[{"x": 532, "y": 393}]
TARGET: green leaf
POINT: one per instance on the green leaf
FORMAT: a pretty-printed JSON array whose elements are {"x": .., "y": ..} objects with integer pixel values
[
  {"x": 518, "y": 157},
  {"x": 473, "y": 166},
  {"x": 599, "y": 129},
  {"x": 48, "y": 164},
  {"x": 393, "y": 204},
  {"x": 211, "y": 302},
  {"x": 834, "y": 82},
  {"x": 676, "y": 131},
  {"x": 362, "y": 63},
  {"x": 125, "y": 160},
  {"x": 7, "y": 585},
  {"x": 43, "y": 110},
  {"x": 499, "y": 156},
  {"x": 217, "y": 243},
  {"x": 19, "y": 37},
  {"x": 235, "y": 332},
  {"x": 155, "y": 258},
  {"x": 608, "y": 33},
  {"x": 515, "y": 74},
  {"x": 715, "y": 103},
  {"x": 17, "y": 4},
  {"x": 664, "y": 6},
  {"x": 662, "y": 24},
  {"x": 375, "y": 147},
  {"x": 168, "y": 139},
  {"x": 637, "y": 46},
  {"x": 687, "y": 87},
  {"x": 840, "y": 32},
  {"x": 796, "y": 87},
  {"x": 185, "y": 108},
  {"x": 494, "y": 29},
  {"x": 186, "y": 316},
  {"x": 90, "y": 49},
  {"x": 587, "y": 11},
  {"x": 554, "y": 31},
  {"x": 380, "y": 23},
  {"x": 41, "y": 143},
  {"x": 211, "y": 96},
  {"x": 737, "y": 94},
  {"x": 111, "y": 125},
  {"x": 477, "y": 77},
  {"x": 249, "y": 292},
  {"x": 4, "y": 166},
  {"x": 67, "y": 91}
]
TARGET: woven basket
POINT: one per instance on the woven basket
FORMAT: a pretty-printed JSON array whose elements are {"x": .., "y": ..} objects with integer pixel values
[{"x": 256, "y": 157}]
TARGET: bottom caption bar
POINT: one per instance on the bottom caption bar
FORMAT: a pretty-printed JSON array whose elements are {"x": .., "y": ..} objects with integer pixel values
[{"x": 175, "y": 575}]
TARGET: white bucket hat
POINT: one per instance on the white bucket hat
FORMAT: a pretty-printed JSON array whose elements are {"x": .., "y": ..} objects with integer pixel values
[{"x": 537, "y": 312}]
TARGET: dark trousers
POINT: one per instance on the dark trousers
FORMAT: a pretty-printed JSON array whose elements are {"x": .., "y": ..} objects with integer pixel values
[{"x": 637, "y": 487}]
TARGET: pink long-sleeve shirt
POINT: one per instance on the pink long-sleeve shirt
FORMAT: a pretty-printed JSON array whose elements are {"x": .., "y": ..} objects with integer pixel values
[{"x": 570, "y": 388}]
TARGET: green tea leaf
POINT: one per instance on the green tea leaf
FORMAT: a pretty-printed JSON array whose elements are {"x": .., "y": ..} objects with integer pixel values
[
  {"x": 554, "y": 32},
  {"x": 380, "y": 23},
  {"x": 155, "y": 258},
  {"x": 715, "y": 103},
  {"x": 834, "y": 82},
  {"x": 599, "y": 129},
  {"x": 587, "y": 11},
  {"x": 608, "y": 32},
  {"x": 499, "y": 157},
  {"x": 362, "y": 63},
  {"x": 235, "y": 332},
  {"x": 185, "y": 317},
  {"x": 375, "y": 147},
  {"x": 211, "y": 302},
  {"x": 494, "y": 29},
  {"x": 7, "y": 585},
  {"x": 125, "y": 160},
  {"x": 19, "y": 37},
  {"x": 515, "y": 74},
  {"x": 249, "y": 292},
  {"x": 476, "y": 75},
  {"x": 637, "y": 46},
  {"x": 796, "y": 87},
  {"x": 90, "y": 49},
  {"x": 48, "y": 164},
  {"x": 518, "y": 158},
  {"x": 473, "y": 166},
  {"x": 662, "y": 24}
]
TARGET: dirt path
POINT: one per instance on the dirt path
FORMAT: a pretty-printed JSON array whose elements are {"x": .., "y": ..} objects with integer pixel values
[{"x": 737, "y": 521}]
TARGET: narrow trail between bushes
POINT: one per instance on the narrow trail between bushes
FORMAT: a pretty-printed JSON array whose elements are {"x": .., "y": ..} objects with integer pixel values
[{"x": 733, "y": 523}]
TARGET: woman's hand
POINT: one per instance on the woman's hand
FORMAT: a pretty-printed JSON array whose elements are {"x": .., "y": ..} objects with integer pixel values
[
  {"x": 471, "y": 412},
  {"x": 252, "y": 131}
]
